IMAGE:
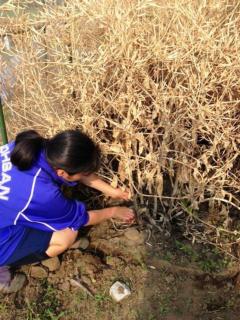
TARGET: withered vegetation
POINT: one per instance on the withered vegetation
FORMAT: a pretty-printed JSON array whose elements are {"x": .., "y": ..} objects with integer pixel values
[{"x": 156, "y": 83}]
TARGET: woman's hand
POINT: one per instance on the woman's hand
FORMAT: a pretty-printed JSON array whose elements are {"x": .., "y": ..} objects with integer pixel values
[
  {"x": 123, "y": 213},
  {"x": 118, "y": 193}
]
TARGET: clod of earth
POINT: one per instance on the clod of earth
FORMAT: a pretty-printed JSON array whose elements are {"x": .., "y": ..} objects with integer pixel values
[
  {"x": 38, "y": 272},
  {"x": 134, "y": 237},
  {"x": 82, "y": 243},
  {"x": 114, "y": 261},
  {"x": 65, "y": 286},
  {"x": 52, "y": 264}
]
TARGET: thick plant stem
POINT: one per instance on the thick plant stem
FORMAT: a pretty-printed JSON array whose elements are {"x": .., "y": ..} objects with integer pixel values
[{"x": 2, "y": 125}]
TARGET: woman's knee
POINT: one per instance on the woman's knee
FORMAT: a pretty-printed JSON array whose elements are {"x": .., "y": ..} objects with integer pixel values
[{"x": 63, "y": 238}]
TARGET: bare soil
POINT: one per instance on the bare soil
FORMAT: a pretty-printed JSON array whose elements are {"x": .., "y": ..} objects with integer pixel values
[{"x": 166, "y": 282}]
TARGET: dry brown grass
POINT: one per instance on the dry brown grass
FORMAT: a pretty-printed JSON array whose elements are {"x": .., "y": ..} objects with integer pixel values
[{"x": 156, "y": 83}]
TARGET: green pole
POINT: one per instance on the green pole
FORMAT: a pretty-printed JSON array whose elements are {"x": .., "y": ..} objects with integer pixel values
[{"x": 2, "y": 125}]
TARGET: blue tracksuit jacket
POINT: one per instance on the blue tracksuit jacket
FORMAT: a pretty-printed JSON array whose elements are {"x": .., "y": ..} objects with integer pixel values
[{"x": 33, "y": 198}]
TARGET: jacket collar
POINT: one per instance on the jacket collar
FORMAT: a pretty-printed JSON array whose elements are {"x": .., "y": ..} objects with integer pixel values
[{"x": 42, "y": 163}]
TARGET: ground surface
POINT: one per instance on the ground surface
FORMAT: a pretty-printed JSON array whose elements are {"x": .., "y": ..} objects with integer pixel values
[{"x": 168, "y": 278}]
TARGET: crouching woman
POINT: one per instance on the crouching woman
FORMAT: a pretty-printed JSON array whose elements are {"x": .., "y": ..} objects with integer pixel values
[{"x": 37, "y": 220}]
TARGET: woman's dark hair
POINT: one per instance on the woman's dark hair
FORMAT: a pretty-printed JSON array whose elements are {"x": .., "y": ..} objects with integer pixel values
[
  {"x": 70, "y": 150},
  {"x": 26, "y": 150}
]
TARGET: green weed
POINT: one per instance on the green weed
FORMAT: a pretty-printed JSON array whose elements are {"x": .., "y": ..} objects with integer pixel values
[
  {"x": 211, "y": 265},
  {"x": 165, "y": 304},
  {"x": 101, "y": 298},
  {"x": 208, "y": 259},
  {"x": 47, "y": 308},
  {"x": 3, "y": 311},
  {"x": 80, "y": 296},
  {"x": 168, "y": 256},
  {"x": 187, "y": 250}
]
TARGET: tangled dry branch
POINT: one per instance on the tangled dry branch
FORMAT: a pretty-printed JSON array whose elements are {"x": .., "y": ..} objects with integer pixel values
[{"x": 155, "y": 82}]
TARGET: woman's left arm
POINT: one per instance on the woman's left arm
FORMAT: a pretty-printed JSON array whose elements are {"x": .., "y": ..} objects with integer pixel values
[{"x": 94, "y": 181}]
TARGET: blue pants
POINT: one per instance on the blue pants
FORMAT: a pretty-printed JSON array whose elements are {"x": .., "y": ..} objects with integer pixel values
[{"x": 31, "y": 249}]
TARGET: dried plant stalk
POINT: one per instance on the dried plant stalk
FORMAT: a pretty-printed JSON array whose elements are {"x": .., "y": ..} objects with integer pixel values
[{"x": 156, "y": 83}]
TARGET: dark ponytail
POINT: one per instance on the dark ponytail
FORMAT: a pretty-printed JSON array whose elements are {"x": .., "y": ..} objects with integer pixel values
[
  {"x": 70, "y": 150},
  {"x": 28, "y": 145}
]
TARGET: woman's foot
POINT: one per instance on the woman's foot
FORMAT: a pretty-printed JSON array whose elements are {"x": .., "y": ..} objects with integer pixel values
[{"x": 8, "y": 285}]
